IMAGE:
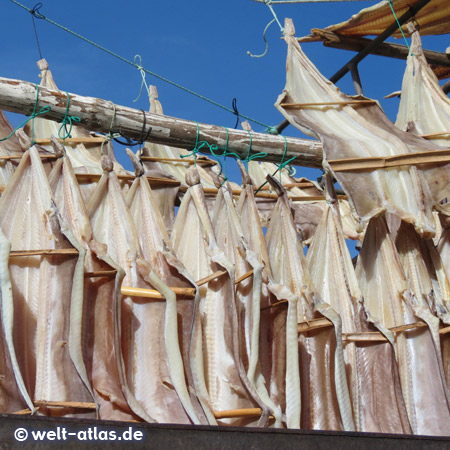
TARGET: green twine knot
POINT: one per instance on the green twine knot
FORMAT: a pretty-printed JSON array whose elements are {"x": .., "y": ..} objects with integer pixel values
[
  {"x": 272, "y": 130},
  {"x": 65, "y": 129}
]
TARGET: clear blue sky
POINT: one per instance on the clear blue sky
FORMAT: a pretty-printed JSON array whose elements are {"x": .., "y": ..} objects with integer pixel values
[{"x": 201, "y": 44}]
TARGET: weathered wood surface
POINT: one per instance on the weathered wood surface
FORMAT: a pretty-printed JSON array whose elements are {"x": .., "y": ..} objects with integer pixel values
[
  {"x": 97, "y": 115},
  {"x": 391, "y": 50}
]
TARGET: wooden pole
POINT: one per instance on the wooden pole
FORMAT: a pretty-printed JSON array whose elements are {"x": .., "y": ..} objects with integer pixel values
[
  {"x": 97, "y": 115},
  {"x": 389, "y": 49}
]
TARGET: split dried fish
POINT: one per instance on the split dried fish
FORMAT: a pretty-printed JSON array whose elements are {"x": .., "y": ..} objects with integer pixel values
[
  {"x": 177, "y": 314},
  {"x": 349, "y": 131},
  {"x": 100, "y": 327},
  {"x": 214, "y": 362},
  {"x": 390, "y": 303},
  {"x": 325, "y": 401},
  {"x": 424, "y": 108},
  {"x": 144, "y": 353},
  {"x": 373, "y": 378},
  {"x": 47, "y": 290}
]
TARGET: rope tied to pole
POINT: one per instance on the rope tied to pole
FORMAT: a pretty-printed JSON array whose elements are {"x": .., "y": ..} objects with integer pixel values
[{"x": 65, "y": 129}]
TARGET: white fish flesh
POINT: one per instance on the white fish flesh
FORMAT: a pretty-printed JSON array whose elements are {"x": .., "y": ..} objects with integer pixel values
[
  {"x": 389, "y": 303},
  {"x": 177, "y": 314},
  {"x": 47, "y": 290},
  {"x": 373, "y": 378},
  {"x": 100, "y": 328},
  {"x": 325, "y": 400},
  {"x": 348, "y": 132},
  {"x": 142, "y": 339}
]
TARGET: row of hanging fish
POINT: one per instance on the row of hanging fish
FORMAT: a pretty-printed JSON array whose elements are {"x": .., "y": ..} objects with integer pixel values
[{"x": 242, "y": 329}]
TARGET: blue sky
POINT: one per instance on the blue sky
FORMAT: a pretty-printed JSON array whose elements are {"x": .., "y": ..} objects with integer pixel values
[{"x": 199, "y": 44}]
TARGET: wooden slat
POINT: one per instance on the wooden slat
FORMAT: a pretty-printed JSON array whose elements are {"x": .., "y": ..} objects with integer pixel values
[
  {"x": 372, "y": 336},
  {"x": 244, "y": 277},
  {"x": 213, "y": 276},
  {"x": 76, "y": 405},
  {"x": 19, "y": 157},
  {"x": 275, "y": 305},
  {"x": 74, "y": 141},
  {"x": 232, "y": 413},
  {"x": 128, "y": 178},
  {"x": 337, "y": 103},
  {"x": 313, "y": 325},
  {"x": 154, "y": 294},
  {"x": 388, "y": 49},
  {"x": 373, "y": 163},
  {"x": 179, "y": 160},
  {"x": 49, "y": 252},
  {"x": 101, "y": 273}
]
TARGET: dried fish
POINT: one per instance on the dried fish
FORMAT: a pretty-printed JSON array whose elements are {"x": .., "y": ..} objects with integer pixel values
[
  {"x": 374, "y": 383},
  {"x": 424, "y": 108},
  {"x": 390, "y": 303},
  {"x": 100, "y": 327},
  {"x": 214, "y": 362},
  {"x": 144, "y": 353},
  {"x": 348, "y": 131},
  {"x": 229, "y": 235},
  {"x": 155, "y": 246},
  {"x": 47, "y": 290},
  {"x": 325, "y": 400}
]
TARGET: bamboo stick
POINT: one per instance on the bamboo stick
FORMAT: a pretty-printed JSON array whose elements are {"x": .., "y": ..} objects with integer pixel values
[
  {"x": 433, "y": 135},
  {"x": 207, "y": 279},
  {"x": 97, "y": 115},
  {"x": 337, "y": 103},
  {"x": 383, "y": 162},
  {"x": 76, "y": 405},
  {"x": 24, "y": 412},
  {"x": 274, "y": 305},
  {"x": 313, "y": 325},
  {"x": 232, "y": 413},
  {"x": 178, "y": 160},
  {"x": 372, "y": 336},
  {"x": 19, "y": 157},
  {"x": 127, "y": 178},
  {"x": 100, "y": 273},
  {"x": 244, "y": 277},
  {"x": 48, "y": 252},
  {"x": 152, "y": 293},
  {"x": 74, "y": 141}
]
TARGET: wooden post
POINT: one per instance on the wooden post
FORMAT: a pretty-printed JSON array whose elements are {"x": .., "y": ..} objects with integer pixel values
[{"x": 97, "y": 115}]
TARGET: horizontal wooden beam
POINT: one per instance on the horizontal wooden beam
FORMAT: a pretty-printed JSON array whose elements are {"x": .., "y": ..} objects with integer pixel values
[
  {"x": 98, "y": 115},
  {"x": 391, "y": 50}
]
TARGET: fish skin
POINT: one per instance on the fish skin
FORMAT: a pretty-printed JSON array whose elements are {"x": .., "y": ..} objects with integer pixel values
[
  {"x": 100, "y": 332},
  {"x": 349, "y": 131},
  {"x": 372, "y": 374},
  {"x": 143, "y": 347},
  {"x": 49, "y": 355},
  {"x": 415, "y": 349},
  {"x": 155, "y": 246}
]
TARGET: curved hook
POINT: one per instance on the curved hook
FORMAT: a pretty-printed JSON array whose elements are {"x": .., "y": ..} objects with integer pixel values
[{"x": 265, "y": 40}]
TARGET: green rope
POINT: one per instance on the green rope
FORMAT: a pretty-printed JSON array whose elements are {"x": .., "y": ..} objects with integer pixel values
[
  {"x": 280, "y": 166},
  {"x": 64, "y": 132},
  {"x": 131, "y": 63},
  {"x": 34, "y": 114},
  {"x": 400, "y": 27},
  {"x": 255, "y": 155}
]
